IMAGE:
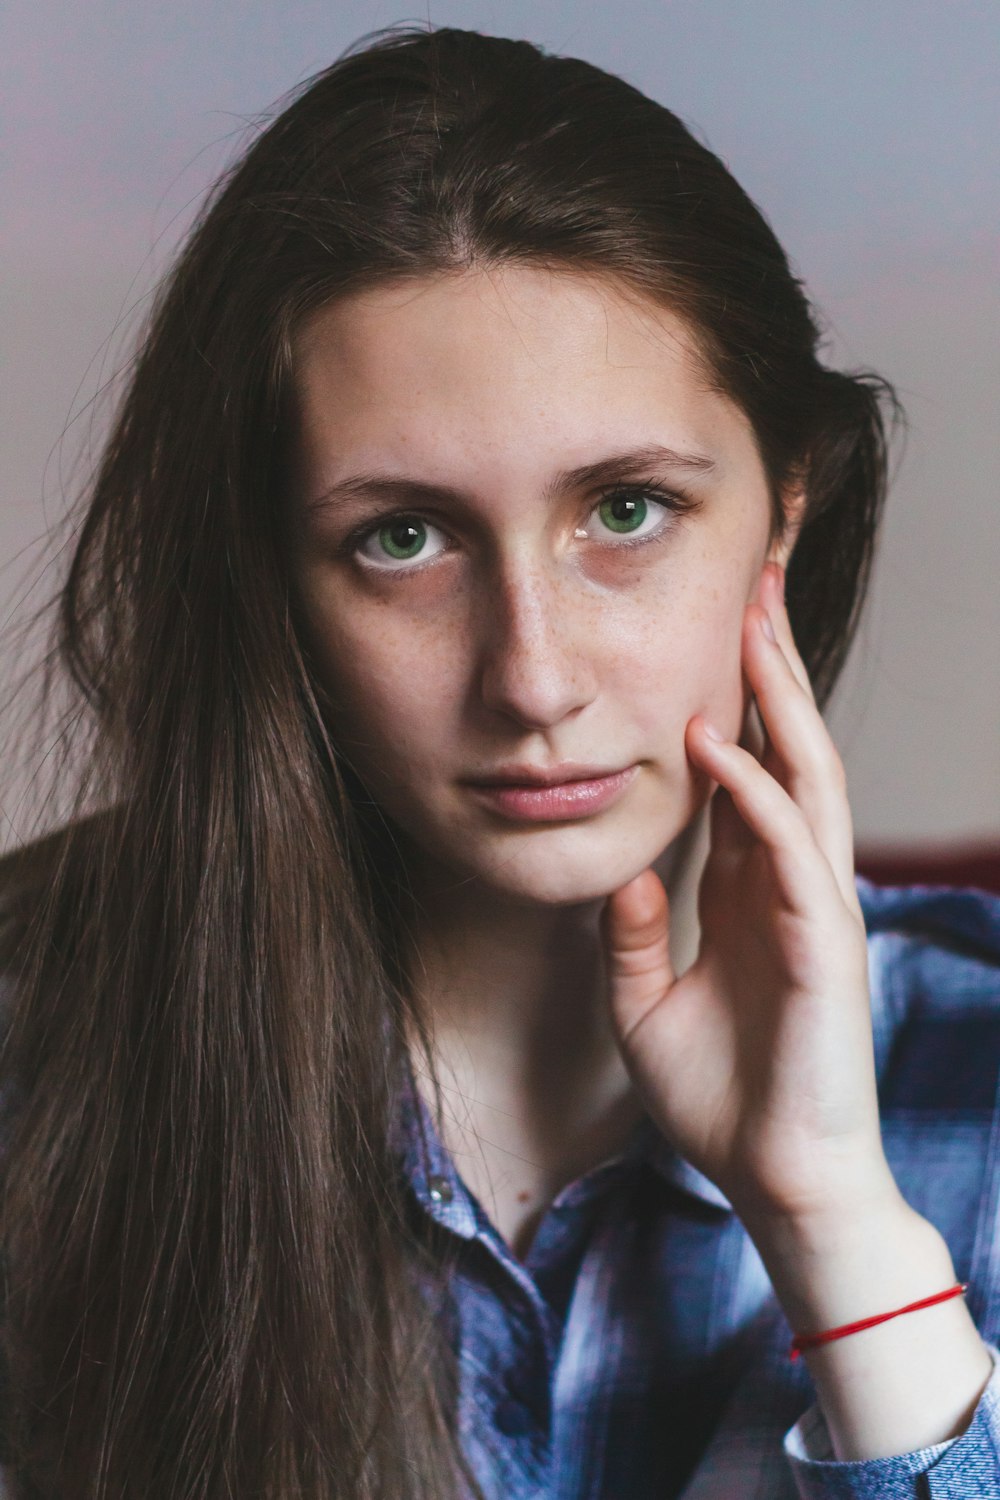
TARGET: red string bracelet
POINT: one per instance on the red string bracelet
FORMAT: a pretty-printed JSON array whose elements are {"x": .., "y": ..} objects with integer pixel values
[{"x": 812, "y": 1340}]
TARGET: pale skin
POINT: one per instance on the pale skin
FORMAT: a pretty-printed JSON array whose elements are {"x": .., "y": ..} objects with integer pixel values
[{"x": 695, "y": 953}]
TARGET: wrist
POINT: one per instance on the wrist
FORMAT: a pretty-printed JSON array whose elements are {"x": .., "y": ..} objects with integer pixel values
[
  {"x": 907, "y": 1382},
  {"x": 847, "y": 1262}
]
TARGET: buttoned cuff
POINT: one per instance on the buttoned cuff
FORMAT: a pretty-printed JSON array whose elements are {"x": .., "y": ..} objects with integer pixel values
[{"x": 962, "y": 1468}]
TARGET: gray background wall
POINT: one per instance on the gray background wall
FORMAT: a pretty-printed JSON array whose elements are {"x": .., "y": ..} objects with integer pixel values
[{"x": 866, "y": 129}]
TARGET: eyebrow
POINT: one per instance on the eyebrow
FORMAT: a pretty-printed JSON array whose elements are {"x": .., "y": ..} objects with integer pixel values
[{"x": 632, "y": 463}]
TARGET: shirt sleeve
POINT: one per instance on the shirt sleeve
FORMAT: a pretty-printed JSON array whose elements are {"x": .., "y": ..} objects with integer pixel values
[{"x": 963, "y": 1468}]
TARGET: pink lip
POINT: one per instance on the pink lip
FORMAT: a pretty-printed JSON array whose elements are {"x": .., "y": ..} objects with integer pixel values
[
  {"x": 528, "y": 775},
  {"x": 558, "y": 803}
]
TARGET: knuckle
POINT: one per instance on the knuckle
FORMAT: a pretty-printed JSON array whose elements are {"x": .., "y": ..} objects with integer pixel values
[{"x": 639, "y": 963}]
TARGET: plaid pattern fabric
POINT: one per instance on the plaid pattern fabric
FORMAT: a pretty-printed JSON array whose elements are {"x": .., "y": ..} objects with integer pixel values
[{"x": 639, "y": 1353}]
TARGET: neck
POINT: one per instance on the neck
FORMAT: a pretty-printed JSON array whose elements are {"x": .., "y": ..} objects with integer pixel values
[
  {"x": 514, "y": 997},
  {"x": 510, "y": 966}
]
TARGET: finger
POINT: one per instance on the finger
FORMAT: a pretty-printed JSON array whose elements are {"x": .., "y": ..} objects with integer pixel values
[
  {"x": 811, "y": 770},
  {"x": 730, "y": 837},
  {"x": 635, "y": 931},
  {"x": 753, "y": 736},
  {"x": 772, "y": 597},
  {"x": 768, "y": 811}
]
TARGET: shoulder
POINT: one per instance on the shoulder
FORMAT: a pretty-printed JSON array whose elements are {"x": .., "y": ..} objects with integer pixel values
[
  {"x": 934, "y": 964},
  {"x": 25, "y": 870},
  {"x": 947, "y": 916},
  {"x": 43, "y": 885},
  {"x": 29, "y": 873},
  {"x": 934, "y": 959},
  {"x": 44, "y": 896},
  {"x": 26, "y": 874},
  {"x": 934, "y": 956}
]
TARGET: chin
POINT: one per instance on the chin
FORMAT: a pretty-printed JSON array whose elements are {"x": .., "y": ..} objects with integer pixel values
[
  {"x": 553, "y": 876},
  {"x": 567, "y": 864}
]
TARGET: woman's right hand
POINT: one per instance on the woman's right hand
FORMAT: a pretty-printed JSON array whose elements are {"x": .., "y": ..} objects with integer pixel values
[{"x": 758, "y": 1062}]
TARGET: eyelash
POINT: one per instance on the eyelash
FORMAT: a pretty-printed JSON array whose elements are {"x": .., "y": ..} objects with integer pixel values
[{"x": 675, "y": 504}]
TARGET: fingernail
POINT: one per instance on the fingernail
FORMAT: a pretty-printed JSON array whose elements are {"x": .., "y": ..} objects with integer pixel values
[
  {"x": 767, "y": 627},
  {"x": 712, "y": 732}
]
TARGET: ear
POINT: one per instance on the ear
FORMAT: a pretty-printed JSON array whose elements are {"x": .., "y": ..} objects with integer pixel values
[{"x": 793, "y": 504}]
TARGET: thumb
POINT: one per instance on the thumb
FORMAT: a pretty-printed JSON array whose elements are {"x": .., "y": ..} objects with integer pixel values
[{"x": 635, "y": 931}]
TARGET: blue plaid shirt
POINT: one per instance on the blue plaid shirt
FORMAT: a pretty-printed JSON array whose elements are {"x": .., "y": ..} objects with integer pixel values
[{"x": 639, "y": 1353}]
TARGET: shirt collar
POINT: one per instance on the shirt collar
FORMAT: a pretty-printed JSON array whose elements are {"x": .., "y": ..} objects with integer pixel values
[
  {"x": 973, "y": 916},
  {"x": 431, "y": 1172}
]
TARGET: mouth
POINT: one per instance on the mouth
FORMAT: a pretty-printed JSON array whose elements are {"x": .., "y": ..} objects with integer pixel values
[
  {"x": 552, "y": 801},
  {"x": 526, "y": 775}
]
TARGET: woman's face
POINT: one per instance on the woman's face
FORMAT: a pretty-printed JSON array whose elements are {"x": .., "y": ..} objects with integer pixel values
[{"x": 526, "y": 532}]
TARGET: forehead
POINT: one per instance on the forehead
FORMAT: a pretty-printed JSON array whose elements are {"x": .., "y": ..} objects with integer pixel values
[{"x": 502, "y": 356}]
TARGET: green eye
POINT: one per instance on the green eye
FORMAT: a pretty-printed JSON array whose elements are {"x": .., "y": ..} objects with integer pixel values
[
  {"x": 399, "y": 540},
  {"x": 402, "y": 538},
  {"x": 624, "y": 512}
]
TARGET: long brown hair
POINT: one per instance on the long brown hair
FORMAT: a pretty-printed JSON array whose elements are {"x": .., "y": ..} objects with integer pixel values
[{"x": 215, "y": 1282}]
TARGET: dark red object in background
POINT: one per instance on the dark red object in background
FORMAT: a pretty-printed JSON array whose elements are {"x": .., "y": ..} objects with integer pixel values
[{"x": 967, "y": 864}]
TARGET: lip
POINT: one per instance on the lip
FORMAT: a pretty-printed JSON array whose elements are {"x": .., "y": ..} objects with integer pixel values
[
  {"x": 554, "y": 802},
  {"x": 569, "y": 770}
]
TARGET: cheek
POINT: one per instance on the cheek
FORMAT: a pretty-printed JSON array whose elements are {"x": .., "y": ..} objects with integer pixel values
[
  {"x": 388, "y": 685},
  {"x": 687, "y": 662}
]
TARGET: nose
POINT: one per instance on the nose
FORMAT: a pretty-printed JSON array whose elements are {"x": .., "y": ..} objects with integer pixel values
[{"x": 534, "y": 668}]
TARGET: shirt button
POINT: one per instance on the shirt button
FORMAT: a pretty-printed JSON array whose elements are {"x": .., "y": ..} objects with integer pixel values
[{"x": 440, "y": 1189}]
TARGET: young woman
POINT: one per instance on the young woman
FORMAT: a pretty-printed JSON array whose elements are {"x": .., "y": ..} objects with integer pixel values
[{"x": 444, "y": 1050}]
